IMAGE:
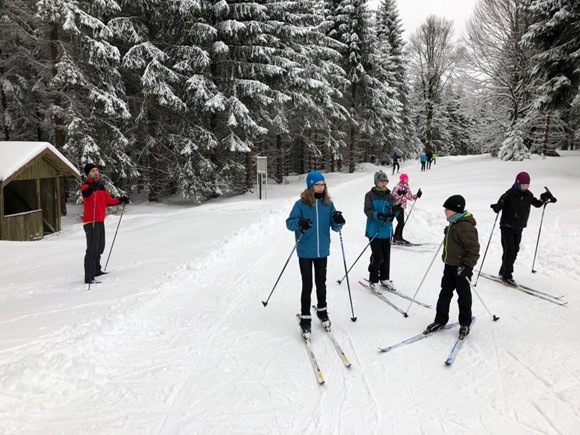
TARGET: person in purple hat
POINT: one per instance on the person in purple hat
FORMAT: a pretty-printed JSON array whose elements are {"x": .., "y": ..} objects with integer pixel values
[{"x": 515, "y": 206}]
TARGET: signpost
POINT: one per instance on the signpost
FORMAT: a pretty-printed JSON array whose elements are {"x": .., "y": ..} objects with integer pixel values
[{"x": 262, "y": 175}]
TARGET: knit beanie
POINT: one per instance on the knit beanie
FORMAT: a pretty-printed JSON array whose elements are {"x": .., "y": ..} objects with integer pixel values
[
  {"x": 89, "y": 167},
  {"x": 455, "y": 203},
  {"x": 380, "y": 176},
  {"x": 523, "y": 178},
  {"x": 312, "y": 178},
  {"x": 404, "y": 177}
]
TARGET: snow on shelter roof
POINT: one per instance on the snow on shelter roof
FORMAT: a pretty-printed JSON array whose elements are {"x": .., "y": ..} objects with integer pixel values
[{"x": 14, "y": 155}]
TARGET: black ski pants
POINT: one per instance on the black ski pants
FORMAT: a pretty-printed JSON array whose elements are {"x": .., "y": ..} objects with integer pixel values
[
  {"x": 380, "y": 264},
  {"x": 95, "y": 234},
  {"x": 450, "y": 282},
  {"x": 396, "y": 165},
  {"x": 510, "y": 242},
  {"x": 400, "y": 226},
  {"x": 306, "y": 266}
]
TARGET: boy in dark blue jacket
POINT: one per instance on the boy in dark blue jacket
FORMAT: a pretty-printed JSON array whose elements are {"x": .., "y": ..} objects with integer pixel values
[{"x": 311, "y": 219}]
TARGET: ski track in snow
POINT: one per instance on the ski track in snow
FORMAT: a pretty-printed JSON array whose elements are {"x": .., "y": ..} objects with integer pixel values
[{"x": 179, "y": 343}]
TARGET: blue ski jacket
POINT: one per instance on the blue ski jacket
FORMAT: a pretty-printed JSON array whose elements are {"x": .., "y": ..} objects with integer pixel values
[
  {"x": 315, "y": 242},
  {"x": 377, "y": 201}
]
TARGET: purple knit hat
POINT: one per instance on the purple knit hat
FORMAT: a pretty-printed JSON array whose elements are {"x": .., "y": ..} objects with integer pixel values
[{"x": 523, "y": 178}]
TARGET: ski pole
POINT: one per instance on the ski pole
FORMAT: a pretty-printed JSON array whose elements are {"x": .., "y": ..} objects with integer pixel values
[
  {"x": 485, "y": 253},
  {"x": 93, "y": 243},
  {"x": 494, "y": 317},
  {"x": 409, "y": 214},
  {"x": 425, "y": 276},
  {"x": 113, "y": 244},
  {"x": 363, "y": 251},
  {"x": 353, "y": 318},
  {"x": 265, "y": 303},
  {"x": 551, "y": 199}
]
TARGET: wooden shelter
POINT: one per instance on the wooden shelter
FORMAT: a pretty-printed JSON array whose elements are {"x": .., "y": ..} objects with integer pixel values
[{"x": 30, "y": 175}]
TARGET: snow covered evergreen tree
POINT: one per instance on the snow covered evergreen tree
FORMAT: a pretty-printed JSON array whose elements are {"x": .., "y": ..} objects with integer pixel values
[
  {"x": 19, "y": 70},
  {"x": 371, "y": 101},
  {"x": 391, "y": 46},
  {"x": 88, "y": 101},
  {"x": 555, "y": 35}
]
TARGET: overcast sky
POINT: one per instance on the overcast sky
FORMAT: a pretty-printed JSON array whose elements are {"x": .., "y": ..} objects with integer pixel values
[{"x": 414, "y": 12}]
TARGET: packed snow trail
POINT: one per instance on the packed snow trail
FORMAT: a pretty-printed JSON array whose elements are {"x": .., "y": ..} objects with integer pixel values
[{"x": 176, "y": 340}]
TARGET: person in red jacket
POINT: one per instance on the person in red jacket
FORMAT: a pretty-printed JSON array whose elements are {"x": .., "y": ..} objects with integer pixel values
[{"x": 96, "y": 199}]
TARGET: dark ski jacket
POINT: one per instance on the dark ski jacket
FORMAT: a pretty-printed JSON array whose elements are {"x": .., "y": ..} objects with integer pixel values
[
  {"x": 515, "y": 206},
  {"x": 461, "y": 242},
  {"x": 378, "y": 201}
]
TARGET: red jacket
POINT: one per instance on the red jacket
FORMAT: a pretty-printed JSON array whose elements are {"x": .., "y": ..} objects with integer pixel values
[{"x": 101, "y": 199}]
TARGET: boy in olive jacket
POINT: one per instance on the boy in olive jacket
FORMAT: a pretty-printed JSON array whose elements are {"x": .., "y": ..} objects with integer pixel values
[{"x": 460, "y": 255}]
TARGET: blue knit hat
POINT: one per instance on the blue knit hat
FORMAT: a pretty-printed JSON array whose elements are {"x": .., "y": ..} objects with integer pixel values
[{"x": 313, "y": 178}]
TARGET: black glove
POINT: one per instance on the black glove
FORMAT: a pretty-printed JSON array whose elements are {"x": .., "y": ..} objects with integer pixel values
[
  {"x": 496, "y": 208},
  {"x": 386, "y": 217},
  {"x": 419, "y": 193},
  {"x": 97, "y": 185},
  {"x": 547, "y": 197},
  {"x": 402, "y": 192},
  {"x": 338, "y": 218},
  {"x": 123, "y": 200},
  {"x": 397, "y": 208},
  {"x": 304, "y": 225},
  {"x": 464, "y": 271}
]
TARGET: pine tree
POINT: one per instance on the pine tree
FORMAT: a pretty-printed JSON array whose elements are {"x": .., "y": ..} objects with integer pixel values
[
  {"x": 88, "y": 105},
  {"x": 19, "y": 70}
]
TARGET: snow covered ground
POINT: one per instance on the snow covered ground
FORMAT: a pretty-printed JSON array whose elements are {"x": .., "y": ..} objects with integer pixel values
[{"x": 175, "y": 340}]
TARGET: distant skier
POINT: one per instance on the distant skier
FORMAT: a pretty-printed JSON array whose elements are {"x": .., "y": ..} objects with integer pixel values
[
  {"x": 423, "y": 160},
  {"x": 311, "y": 219},
  {"x": 96, "y": 199},
  {"x": 429, "y": 159},
  {"x": 396, "y": 163},
  {"x": 460, "y": 255},
  {"x": 402, "y": 193},
  {"x": 380, "y": 208},
  {"x": 515, "y": 204}
]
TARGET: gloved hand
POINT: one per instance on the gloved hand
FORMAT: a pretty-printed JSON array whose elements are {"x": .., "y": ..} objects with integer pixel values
[
  {"x": 338, "y": 218},
  {"x": 419, "y": 193},
  {"x": 464, "y": 271},
  {"x": 495, "y": 207},
  {"x": 547, "y": 197},
  {"x": 402, "y": 192},
  {"x": 304, "y": 225},
  {"x": 397, "y": 208},
  {"x": 386, "y": 217},
  {"x": 97, "y": 185},
  {"x": 123, "y": 200}
]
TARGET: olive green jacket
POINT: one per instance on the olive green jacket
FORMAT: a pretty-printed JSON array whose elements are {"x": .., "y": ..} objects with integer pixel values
[{"x": 461, "y": 243}]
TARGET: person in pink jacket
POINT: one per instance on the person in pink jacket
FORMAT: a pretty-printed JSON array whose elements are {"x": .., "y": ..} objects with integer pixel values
[{"x": 402, "y": 193}]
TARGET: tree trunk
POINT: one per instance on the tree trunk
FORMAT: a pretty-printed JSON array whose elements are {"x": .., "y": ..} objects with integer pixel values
[
  {"x": 546, "y": 135},
  {"x": 152, "y": 159},
  {"x": 352, "y": 145},
  {"x": 280, "y": 169}
]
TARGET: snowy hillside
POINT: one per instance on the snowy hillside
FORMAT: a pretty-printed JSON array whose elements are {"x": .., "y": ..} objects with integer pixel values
[{"x": 175, "y": 340}]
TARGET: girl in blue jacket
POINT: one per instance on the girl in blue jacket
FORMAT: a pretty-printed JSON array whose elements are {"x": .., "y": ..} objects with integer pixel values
[{"x": 311, "y": 219}]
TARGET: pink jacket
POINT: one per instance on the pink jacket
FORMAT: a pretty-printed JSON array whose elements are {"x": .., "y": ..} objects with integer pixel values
[{"x": 401, "y": 197}]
